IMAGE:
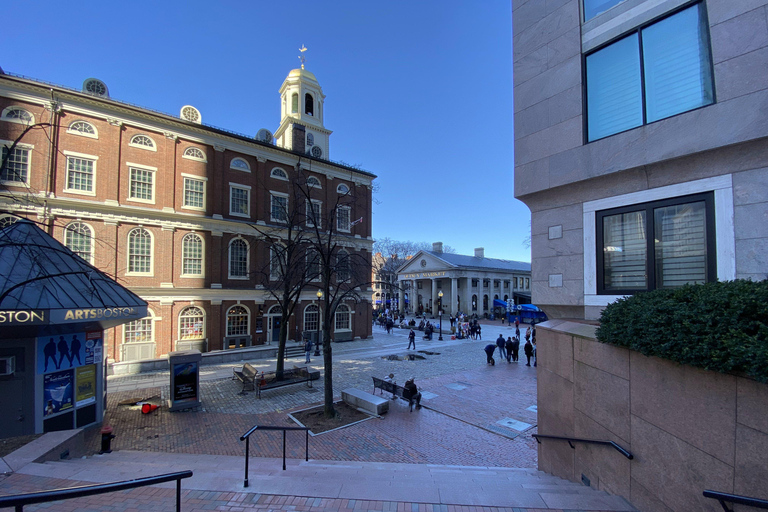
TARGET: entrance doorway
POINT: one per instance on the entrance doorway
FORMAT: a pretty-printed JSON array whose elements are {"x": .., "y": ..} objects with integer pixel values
[{"x": 274, "y": 316}]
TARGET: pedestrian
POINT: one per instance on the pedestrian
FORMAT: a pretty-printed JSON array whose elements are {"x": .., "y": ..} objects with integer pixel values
[
  {"x": 528, "y": 333},
  {"x": 517, "y": 325},
  {"x": 515, "y": 348},
  {"x": 535, "y": 360},
  {"x": 500, "y": 344},
  {"x": 479, "y": 334},
  {"x": 517, "y": 331},
  {"x": 528, "y": 349},
  {"x": 307, "y": 349},
  {"x": 411, "y": 339},
  {"x": 411, "y": 393},
  {"x": 508, "y": 346},
  {"x": 489, "y": 349}
]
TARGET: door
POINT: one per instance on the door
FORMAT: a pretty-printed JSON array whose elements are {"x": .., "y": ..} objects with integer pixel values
[
  {"x": 275, "y": 327},
  {"x": 16, "y": 421}
]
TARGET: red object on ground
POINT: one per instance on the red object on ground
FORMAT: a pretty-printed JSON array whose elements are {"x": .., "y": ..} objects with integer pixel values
[{"x": 148, "y": 408}]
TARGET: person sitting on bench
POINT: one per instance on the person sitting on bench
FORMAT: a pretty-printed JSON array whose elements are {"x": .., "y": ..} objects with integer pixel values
[{"x": 411, "y": 393}]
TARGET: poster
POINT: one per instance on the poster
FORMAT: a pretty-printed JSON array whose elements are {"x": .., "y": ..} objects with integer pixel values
[
  {"x": 85, "y": 381},
  {"x": 93, "y": 345},
  {"x": 57, "y": 392},
  {"x": 185, "y": 382},
  {"x": 60, "y": 352}
]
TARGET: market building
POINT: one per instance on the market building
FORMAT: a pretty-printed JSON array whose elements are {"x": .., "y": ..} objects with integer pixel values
[
  {"x": 460, "y": 283},
  {"x": 171, "y": 208}
]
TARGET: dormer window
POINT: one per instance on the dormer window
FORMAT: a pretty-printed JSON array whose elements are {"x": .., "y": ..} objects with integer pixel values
[
  {"x": 309, "y": 105},
  {"x": 142, "y": 142},
  {"x": 295, "y": 103},
  {"x": 194, "y": 154}
]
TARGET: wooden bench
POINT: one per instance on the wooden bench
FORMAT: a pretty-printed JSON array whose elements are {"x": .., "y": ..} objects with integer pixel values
[
  {"x": 391, "y": 387},
  {"x": 247, "y": 376},
  {"x": 295, "y": 375}
]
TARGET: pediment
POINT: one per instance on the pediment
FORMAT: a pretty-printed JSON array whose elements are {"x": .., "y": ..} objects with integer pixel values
[{"x": 423, "y": 263}]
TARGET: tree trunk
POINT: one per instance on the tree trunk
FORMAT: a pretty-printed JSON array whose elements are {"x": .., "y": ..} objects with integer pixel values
[
  {"x": 328, "y": 411},
  {"x": 282, "y": 341}
]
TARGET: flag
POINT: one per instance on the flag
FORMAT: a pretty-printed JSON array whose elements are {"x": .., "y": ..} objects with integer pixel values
[{"x": 358, "y": 221}]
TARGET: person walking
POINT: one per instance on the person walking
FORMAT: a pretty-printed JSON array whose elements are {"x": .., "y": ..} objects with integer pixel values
[
  {"x": 489, "y": 349},
  {"x": 508, "y": 346},
  {"x": 528, "y": 349},
  {"x": 411, "y": 340},
  {"x": 500, "y": 344},
  {"x": 516, "y": 348},
  {"x": 307, "y": 349},
  {"x": 479, "y": 333}
]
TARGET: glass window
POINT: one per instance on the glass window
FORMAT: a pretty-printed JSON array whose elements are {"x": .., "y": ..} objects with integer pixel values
[
  {"x": 278, "y": 173},
  {"x": 191, "y": 323},
  {"x": 18, "y": 115},
  {"x": 276, "y": 255},
  {"x": 594, "y": 7},
  {"x": 664, "y": 244},
  {"x": 78, "y": 237},
  {"x": 313, "y": 213},
  {"x": 82, "y": 128},
  {"x": 313, "y": 264},
  {"x": 194, "y": 193},
  {"x": 139, "y": 251},
  {"x": 343, "y": 218},
  {"x": 80, "y": 173},
  {"x": 239, "y": 201},
  {"x": 238, "y": 258},
  {"x": 309, "y": 105},
  {"x": 142, "y": 184},
  {"x": 343, "y": 318},
  {"x": 16, "y": 165},
  {"x": 295, "y": 103},
  {"x": 142, "y": 141},
  {"x": 139, "y": 331},
  {"x": 310, "y": 140},
  {"x": 342, "y": 266},
  {"x": 192, "y": 255},
  {"x": 676, "y": 75},
  {"x": 237, "y": 321},
  {"x": 194, "y": 154},
  {"x": 342, "y": 189},
  {"x": 240, "y": 164},
  {"x": 311, "y": 317},
  {"x": 279, "y": 211},
  {"x": 313, "y": 182}
]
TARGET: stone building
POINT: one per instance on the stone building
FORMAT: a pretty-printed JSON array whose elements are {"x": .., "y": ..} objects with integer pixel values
[{"x": 169, "y": 207}]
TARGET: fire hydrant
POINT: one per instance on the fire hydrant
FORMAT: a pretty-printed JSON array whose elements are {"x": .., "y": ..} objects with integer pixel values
[{"x": 106, "y": 439}]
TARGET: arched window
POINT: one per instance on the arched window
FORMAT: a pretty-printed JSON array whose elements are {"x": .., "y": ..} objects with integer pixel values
[
  {"x": 311, "y": 318},
  {"x": 240, "y": 165},
  {"x": 342, "y": 189},
  {"x": 309, "y": 105},
  {"x": 192, "y": 255},
  {"x": 143, "y": 142},
  {"x": 194, "y": 154},
  {"x": 313, "y": 182},
  {"x": 295, "y": 103},
  {"x": 343, "y": 318},
  {"x": 78, "y": 237},
  {"x": 83, "y": 128},
  {"x": 18, "y": 115},
  {"x": 474, "y": 303},
  {"x": 342, "y": 266},
  {"x": 279, "y": 174},
  {"x": 238, "y": 259},
  {"x": 139, "y": 251},
  {"x": 310, "y": 140},
  {"x": 7, "y": 220},
  {"x": 237, "y": 321},
  {"x": 140, "y": 331},
  {"x": 191, "y": 323},
  {"x": 485, "y": 302}
]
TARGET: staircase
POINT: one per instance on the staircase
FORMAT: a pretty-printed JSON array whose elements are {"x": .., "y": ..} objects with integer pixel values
[{"x": 432, "y": 484}]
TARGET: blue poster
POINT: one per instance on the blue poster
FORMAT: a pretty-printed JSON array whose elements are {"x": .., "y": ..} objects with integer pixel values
[
  {"x": 57, "y": 392},
  {"x": 60, "y": 352}
]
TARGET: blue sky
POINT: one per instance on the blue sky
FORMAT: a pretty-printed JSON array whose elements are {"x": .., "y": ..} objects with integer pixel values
[{"x": 418, "y": 92}]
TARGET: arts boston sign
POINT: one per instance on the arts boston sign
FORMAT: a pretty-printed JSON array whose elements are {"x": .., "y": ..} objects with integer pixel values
[
  {"x": 422, "y": 275},
  {"x": 12, "y": 318}
]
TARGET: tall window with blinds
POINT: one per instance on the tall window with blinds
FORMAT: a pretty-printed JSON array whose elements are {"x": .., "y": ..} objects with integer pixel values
[
  {"x": 660, "y": 70},
  {"x": 663, "y": 244}
]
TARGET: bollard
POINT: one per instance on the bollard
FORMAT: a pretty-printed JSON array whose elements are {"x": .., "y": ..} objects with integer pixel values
[{"x": 106, "y": 439}]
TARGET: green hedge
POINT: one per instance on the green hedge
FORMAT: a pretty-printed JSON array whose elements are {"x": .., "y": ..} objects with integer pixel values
[{"x": 720, "y": 326}]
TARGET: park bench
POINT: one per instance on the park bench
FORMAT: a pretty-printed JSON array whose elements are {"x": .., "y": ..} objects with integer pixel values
[
  {"x": 295, "y": 375},
  {"x": 247, "y": 376},
  {"x": 391, "y": 387}
]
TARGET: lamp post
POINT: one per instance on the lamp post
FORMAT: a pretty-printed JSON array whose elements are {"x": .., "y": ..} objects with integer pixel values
[
  {"x": 317, "y": 341},
  {"x": 440, "y": 311}
]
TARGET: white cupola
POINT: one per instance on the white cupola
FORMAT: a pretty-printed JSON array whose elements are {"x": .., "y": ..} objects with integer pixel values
[{"x": 301, "y": 114}]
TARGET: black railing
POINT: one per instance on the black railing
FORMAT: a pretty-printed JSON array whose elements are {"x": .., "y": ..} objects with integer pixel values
[
  {"x": 247, "y": 436},
  {"x": 571, "y": 440},
  {"x": 19, "y": 500},
  {"x": 722, "y": 497}
]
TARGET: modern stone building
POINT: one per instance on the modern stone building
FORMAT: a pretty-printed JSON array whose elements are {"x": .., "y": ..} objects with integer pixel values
[
  {"x": 640, "y": 145},
  {"x": 468, "y": 284},
  {"x": 175, "y": 210}
]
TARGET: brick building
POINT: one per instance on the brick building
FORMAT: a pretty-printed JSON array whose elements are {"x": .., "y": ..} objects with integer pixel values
[{"x": 173, "y": 209}]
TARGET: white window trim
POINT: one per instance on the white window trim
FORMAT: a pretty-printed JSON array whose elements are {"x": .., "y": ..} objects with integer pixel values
[
  {"x": 315, "y": 183},
  {"x": 273, "y": 277},
  {"x": 226, "y": 319},
  {"x": 349, "y": 312},
  {"x": 205, "y": 188},
  {"x": 338, "y": 189},
  {"x": 66, "y": 173},
  {"x": 178, "y": 328},
  {"x": 202, "y": 264},
  {"x": 30, "y": 148},
  {"x": 346, "y": 230},
  {"x": 311, "y": 224},
  {"x": 141, "y": 146},
  {"x": 152, "y": 318},
  {"x": 272, "y": 174},
  {"x": 319, "y": 276},
  {"x": 272, "y": 195},
  {"x": 81, "y": 134},
  {"x": 234, "y": 168},
  {"x": 91, "y": 250},
  {"x": 142, "y": 167},
  {"x": 151, "y": 273},
  {"x": 725, "y": 242},
  {"x": 17, "y": 121},
  {"x": 247, "y": 259},
  {"x": 196, "y": 159},
  {"x": 242, "y": 187}
]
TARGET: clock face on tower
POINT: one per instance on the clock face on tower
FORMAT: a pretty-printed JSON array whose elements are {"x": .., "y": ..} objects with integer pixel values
[{"x": 423, "y": 263}]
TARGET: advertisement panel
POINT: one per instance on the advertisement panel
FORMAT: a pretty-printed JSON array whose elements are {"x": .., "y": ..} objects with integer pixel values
[
  {"x": 85, "y": 379},
  {"x": 57, "y": 392},
  {"x": 185, "y": 382}
]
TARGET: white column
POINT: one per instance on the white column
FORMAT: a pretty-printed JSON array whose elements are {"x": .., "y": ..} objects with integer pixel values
[
  {"x": 434, "y": 296},
  {"x": 400, "y": 296},
  {"x": 454, "y": 295}
]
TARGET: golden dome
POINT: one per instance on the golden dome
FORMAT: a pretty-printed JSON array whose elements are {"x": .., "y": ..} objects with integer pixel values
[{"x": 302, "y": 73}]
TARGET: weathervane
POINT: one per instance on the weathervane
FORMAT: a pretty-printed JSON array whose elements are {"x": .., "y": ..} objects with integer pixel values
[{"x": 301, "y": 57}]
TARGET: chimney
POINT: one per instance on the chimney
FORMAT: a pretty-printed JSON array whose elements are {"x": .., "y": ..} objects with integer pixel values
[
  {"x": 298, "y": 137},
  {"x": 437, "y": 247},
  {"x": 480, "y": 252}
]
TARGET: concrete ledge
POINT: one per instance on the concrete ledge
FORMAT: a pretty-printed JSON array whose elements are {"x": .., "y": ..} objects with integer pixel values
[
  {"x": 216, "y": 357},
  {"x": 51, "y": 446},
  {"x": 367, "y": 402}
]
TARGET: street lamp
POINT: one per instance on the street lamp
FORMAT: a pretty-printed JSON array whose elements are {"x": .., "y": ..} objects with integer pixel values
[
  {"x": 317, "y": 341},
  {"x": 440, "y": 311}
]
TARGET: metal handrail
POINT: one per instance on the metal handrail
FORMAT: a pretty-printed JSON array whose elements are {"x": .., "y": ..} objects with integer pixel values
[
  {"x": 247, "y": 438},
  {"x": 591, "y": 441},
  {"x": 19, "y": 500},
  {"x": 722, "y": 497}
]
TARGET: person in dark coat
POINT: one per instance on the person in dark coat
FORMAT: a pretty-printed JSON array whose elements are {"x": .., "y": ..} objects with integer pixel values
[
  {"x": 500, "y": 344},
  {"x": 411, "y": 393},
  {"x": 508, "y": 346},
  {"x": 528, "y": 348},
  {"x": 411, "y": 340},
  {"x": 489, "y": 350},
  {"x": 516, "y": 348}
]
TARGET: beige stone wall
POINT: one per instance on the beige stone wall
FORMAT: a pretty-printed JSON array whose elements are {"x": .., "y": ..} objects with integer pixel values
[{"x": 688, "y": 429}]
